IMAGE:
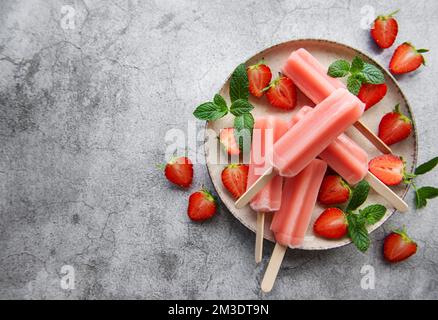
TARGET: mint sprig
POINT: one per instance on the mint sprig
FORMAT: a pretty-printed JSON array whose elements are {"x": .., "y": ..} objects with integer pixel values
[
  {"x": 358, "y": 72},
  {"x": 359, "y": 219},
  {"x": 240, "y": 106}
]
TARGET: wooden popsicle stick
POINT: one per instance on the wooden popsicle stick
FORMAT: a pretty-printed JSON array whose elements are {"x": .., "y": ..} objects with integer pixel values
[
  {"x": 375, "y": 140},
  {"x": 273, "y": 267},
  {"x": 386, "y": 192},
  {"x": 260, "y": 231},
  {"x": 255, "y": 188}
]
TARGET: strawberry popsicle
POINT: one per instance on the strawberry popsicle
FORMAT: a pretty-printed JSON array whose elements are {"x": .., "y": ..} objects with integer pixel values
[
  {"x": 266, "y": 131},
  {"x": 316, "y": 131},
  {"x": 310, "y": 76},
  {"x": 299, "y": 197},
  {"x": 292, "y": 220}
]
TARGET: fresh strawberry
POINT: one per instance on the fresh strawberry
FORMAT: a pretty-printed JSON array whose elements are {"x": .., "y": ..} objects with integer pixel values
[
  {"x": 384, "y": 30},
  {"x": 228, "y": 141},
  {"x": 388, "y": 168},
  {"x": 398, "y": 246},
  {"x": 394, "y": 127},
  {"x": 282, "y": 93},
  {"x": 234, "y": 178},
  {"x": 406, "y": 59},
  {"x": 202, "y": 205},
  {"x": 331, "y": 224},
  {"x": 179, "y": 171},
  {"x": 259, "y": 76},
  {"x": 334, "y": 190},
  {"x": 370, "y": 94}
]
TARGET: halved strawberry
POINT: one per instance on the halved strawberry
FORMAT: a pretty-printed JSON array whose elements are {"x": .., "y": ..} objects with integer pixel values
[
  {"x": 384, "y": 30},
  {"x": 179, "y": 171},
  {"x": 394, "y": 126},
  {"x": 234, "y": 178},
  {"x": 388, "y": 168},
  {"x": 202, "y": 205},
  {"x": 370, "y": 94},
  {"x": 398, "y": 246},
  {"x": 406, "y": 59},
  {"x": 259, "y": 76},
  {"x": 282, "y": 93},
  {"x": 334, "y": 190},
  {"x": 228, "y": 141},
  {"x": 331, "y": 224}
]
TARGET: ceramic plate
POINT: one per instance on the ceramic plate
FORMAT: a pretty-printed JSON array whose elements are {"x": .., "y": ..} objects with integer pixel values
[{"x": 326, "y": 52}]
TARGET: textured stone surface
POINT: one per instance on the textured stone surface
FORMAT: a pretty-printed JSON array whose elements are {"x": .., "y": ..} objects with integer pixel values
[{"x": 83, "y": 114}]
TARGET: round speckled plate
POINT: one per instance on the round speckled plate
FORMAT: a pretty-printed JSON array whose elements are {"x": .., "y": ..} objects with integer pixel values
[{"x": 326, "y": 52}]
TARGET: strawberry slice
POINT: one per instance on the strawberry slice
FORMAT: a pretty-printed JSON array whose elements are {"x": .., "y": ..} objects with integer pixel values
[
  {"x": 259, "y": 76},
  {"x": 398, "y": 246},
  {"x": 334, "y": 190},
  {"x": 202, "y": 205},
  {"x": 179, "y": 171},
  {"x": 228, "y": 141},
  {"x": 384, "y": 30},
  {"x": 394, "y": 127},
  {"x": 370, "y": 94},
  {"x": 331, "y": 224},
  {"x": 388, "y": 168},
  {"x": 282, "y": 93},
  {"x": 406, "y": 59},
  {"x": 234, "y": 178}
]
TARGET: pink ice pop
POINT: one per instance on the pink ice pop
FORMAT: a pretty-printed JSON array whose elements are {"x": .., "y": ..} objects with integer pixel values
[
  {"x": 315, "y": 132},
  {"x": 290, "y": 223},
  {"x": 310, "y": 76},
  {"x": 343, "y": 155},
  {"x": 266, "y": 131}
]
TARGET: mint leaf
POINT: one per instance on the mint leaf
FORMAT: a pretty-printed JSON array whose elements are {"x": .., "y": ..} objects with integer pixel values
[
  {"x": 239, "y": 84},
  {"x": 243, "y": 133},
  {"x": 353, "y": 85},
  {"x": 243, "y": 139},
  {"x": 244, "y": 121},
  {"x": 372, "y": 74},
  {"x": 339, "y": 69},
  {"x": 220, "y": 101},
  {"x": 210, "y": 111},
  {"x": 360, "y": 194},
  {"x": 427, "y": 166},
  {"x": 356, "y": 65},
  {"x": 419, "y": 201},
  {"x": 373, "y": 213},
  {"x": 357, "y": 232},
  {"x": 240, "y": 107},
  {"x": 423, "y": 194}
]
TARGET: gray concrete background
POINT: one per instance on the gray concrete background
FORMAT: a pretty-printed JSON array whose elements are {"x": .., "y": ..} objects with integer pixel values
[{"x": 83, "y": 113}]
